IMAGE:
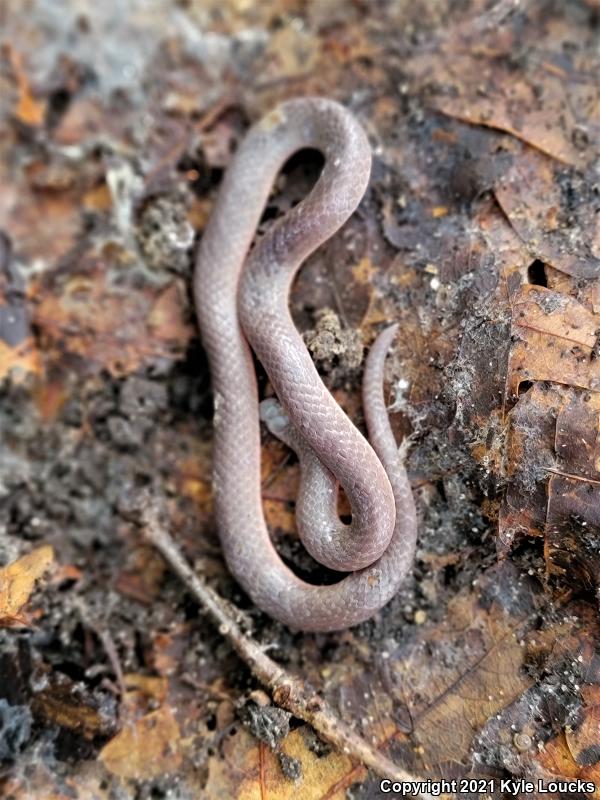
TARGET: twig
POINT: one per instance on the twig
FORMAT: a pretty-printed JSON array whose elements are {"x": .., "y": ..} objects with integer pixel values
[
  {"x": 113, "y": 656},
  {"x": 107, "y": 643},
  {"x": 287, "y": 690}
]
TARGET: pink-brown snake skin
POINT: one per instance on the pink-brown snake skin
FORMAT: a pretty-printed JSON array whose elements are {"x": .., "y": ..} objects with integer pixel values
[{"x": 241, "y": 298}]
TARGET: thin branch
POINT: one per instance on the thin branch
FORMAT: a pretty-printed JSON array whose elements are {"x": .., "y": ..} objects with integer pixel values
[{"x": 287, "y": 690}]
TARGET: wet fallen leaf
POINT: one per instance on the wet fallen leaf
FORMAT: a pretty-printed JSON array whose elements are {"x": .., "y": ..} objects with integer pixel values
[
  {"x": 553, "y": 444},
  {"x": 557, "y": 759},
  {"x": 583, "y": 740}
]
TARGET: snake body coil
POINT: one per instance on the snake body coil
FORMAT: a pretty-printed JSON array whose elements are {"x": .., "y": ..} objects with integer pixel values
[{"x": 242, "y": 300}]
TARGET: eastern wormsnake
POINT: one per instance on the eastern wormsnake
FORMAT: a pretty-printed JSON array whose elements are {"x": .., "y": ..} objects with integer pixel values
[{"x": 241, "y": 298}]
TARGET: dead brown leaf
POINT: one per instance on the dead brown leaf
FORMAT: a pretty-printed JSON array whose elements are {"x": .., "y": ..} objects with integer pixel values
[
  {"x": 131, "y": 329},
  {"x": 60, "y": 705},
  {"x": 17, "y": 581},
  {"x": 558, "y": 761},
  {"x": 553, "y": 213},
  {"x": 553, "y": 340},
  {"x": 474, "y": 78},
  {"x": 481, "y": 643},
  {"x": 28, "y": 110},
  {"x": 20, "y": 361},
  {"x": 250, "y": 771},
  {"x": 146, "y": 748}
]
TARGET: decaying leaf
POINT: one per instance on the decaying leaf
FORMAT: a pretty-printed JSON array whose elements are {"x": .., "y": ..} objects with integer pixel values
[
  {"x": 557, "y": 762},
  {"x": 582, "y": 740},
  {"x": 481, "y": 646},
  {"x": 146, "y": 748},
  {"x": 19, "y": 362},
  {"x": 553, "y": 442},
  {"x": 63, "y": 706},
  {"x": 28, "y": 110},
  {"x": 478, "y": 83},
  {"x": 552, "y": 210},
  {"x": 250, "y": 771},
  {"x": 553, "y": 340},
  {"x": 17, "y": 581},
  {"x": 131, "y": 330}
]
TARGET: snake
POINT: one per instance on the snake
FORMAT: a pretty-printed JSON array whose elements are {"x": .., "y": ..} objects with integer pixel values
[{"x": 242, "y": 281}]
